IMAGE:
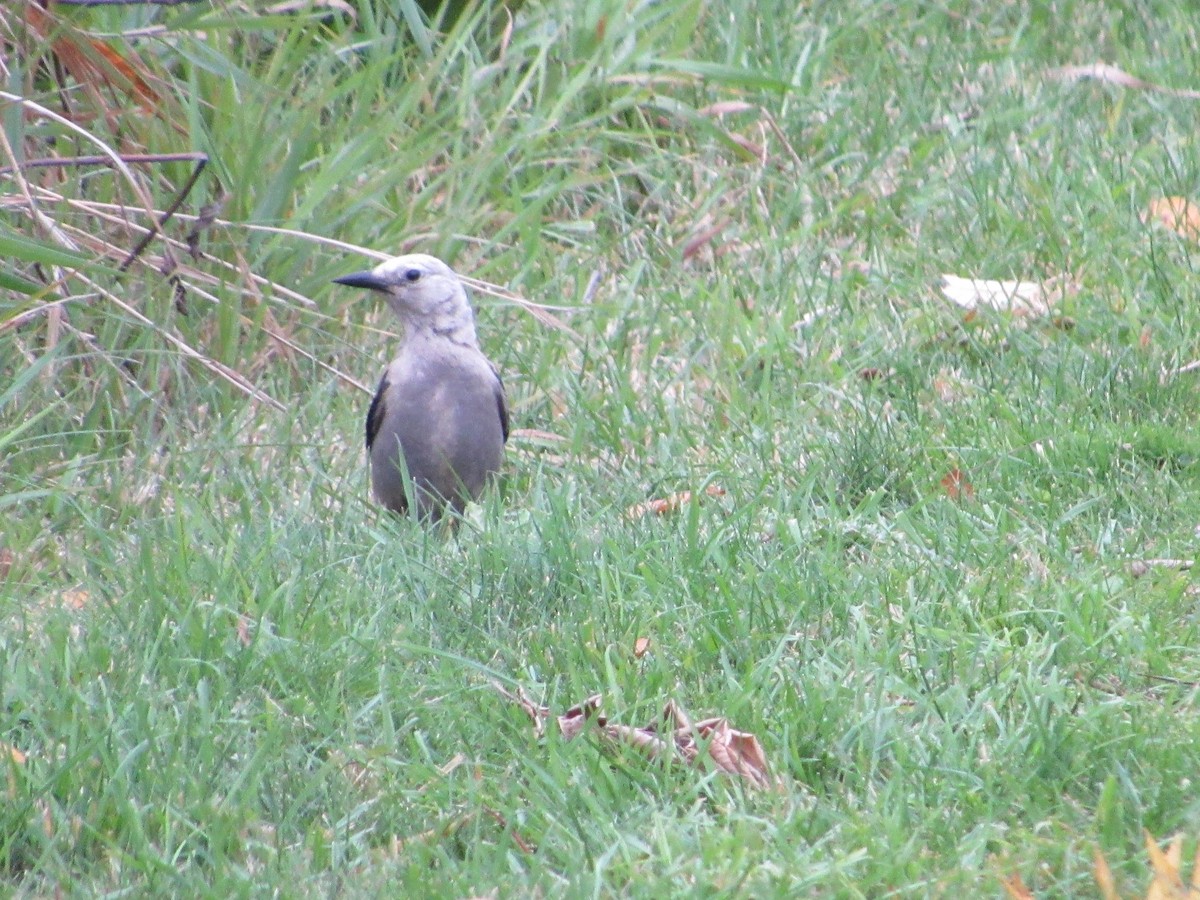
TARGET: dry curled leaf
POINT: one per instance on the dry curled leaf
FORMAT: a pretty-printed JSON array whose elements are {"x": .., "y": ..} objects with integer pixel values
[
  {"x": 1179, "y": 214},
  {"x": 94, "y": 64},
  {"x": 641, "y": 647},
  {"x": 669, "y": 504},
  {"x": 735, "y": 752},
  {"x": 1167, "y": 882},
  {"x": 641, "y": 739},
  {"x": 537, "y": 714},
  {"x": 672, "y": 737},
  {"x": 575, "y": 720}
]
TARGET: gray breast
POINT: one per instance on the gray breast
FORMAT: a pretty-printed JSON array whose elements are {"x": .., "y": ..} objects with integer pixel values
[{"x": 444, "y": 423}]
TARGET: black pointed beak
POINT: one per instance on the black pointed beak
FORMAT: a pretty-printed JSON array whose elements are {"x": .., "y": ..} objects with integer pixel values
[{"x": 368, "y": 280}]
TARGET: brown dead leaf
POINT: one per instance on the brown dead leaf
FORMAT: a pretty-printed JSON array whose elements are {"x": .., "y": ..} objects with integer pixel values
[
  {"x": 1015, "y": 887},
  {"x": 956, "y": 485},
  {"x": 735, "y": 752},
  {"x": 641, "y": 647},
  {"x": 1104, "y": 876},
  {"x": 573, "y": 722},
  {"x": 674, "y": 716},
  {"x": 6, "y": 562},
  {"x": 642, "y": 739},
  {"x": 245, "y": 635},
  {"x": 670, "y": 503},
  {"x": 673, "y": 736},
  {"x": 13, "y": 753},
  {"x": 74, "y": 599},
  {"x": 1168, "y": 882},
  {"x": 1179, "y": 214}
]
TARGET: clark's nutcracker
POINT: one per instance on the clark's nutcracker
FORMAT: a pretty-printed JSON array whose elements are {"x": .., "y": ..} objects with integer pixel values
[{"x": 440, "y": 413}]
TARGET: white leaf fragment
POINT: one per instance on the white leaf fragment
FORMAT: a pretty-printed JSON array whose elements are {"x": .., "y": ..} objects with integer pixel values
[{"x": 1021, "y": 298}]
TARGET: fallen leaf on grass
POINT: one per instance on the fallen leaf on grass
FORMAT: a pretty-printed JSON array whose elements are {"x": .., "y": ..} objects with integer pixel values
[
  {"x": 1104, "y": 876},
  {"x": 245, "y": 634},
  {"x": 956, "y": 485},
  {"x": 734, "y": 752},
  {"x": 1140, "y": 567},
  {"x": 74, "y": 599},
  {"x": 1179, "y": 214},
  {"x": 1110, "y": 74},
  {"x": 1167, "y": 882},
  {"x": 1015, "y": 887},
  {"x": 573, "y": 722},
  {"x": 670, "y": 503},
  {"x": 672, "y": 737},
  {"x": 641, "y": 647},
  {"x": 1023, "y": 299},
  {"x": 6, "y": 562}
]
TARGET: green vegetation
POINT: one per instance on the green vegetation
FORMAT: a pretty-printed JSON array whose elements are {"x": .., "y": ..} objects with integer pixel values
[{"x": 223, "y": 672}]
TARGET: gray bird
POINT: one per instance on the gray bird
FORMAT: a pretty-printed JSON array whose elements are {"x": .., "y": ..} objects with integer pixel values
[{"x": 440, "y": 414}]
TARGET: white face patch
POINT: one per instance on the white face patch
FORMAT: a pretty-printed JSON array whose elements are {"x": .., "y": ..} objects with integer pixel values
[{"x": 427, "y": 296}]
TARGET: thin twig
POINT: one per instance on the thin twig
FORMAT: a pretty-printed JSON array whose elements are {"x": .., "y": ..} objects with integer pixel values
[
  {"x": 172, "y": 208},
  {"x": 99, "y": 210}
]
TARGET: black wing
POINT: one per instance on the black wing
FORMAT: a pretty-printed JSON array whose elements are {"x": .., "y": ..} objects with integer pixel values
[
  {"x": 501, "y": 404},
  {"x": 376, "y": 413}
]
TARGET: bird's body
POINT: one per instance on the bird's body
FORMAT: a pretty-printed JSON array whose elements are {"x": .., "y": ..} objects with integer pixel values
[{"x": 439, "y": 421}]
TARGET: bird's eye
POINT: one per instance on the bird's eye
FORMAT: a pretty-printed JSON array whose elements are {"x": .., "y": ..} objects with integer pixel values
[{"x": 413, "y": 275}]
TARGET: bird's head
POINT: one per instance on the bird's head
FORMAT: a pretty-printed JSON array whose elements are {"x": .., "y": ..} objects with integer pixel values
[{"x": 424, "y": 292}]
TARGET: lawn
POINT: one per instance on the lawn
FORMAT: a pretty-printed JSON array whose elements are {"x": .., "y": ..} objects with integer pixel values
[{"x": 937, "y": 561}]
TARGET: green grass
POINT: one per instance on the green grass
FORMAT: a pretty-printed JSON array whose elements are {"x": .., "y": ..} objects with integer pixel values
[{"x": 229, "y": 674}]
